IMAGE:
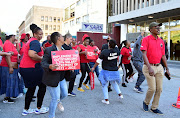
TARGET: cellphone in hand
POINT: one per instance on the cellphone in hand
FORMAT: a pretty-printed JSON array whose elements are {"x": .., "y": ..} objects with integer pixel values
[{"x": 167, "y": 76}]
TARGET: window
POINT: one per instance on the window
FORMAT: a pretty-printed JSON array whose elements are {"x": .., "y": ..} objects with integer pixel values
[
  {"x": 50, "y": 19},
  {"x": 42, "y": 18},
  {"x": 46, "y": 18},
  {"x": 54, "y": 19},
  {"x": 78, "y": 3},
  {"x": 54, "y": 28},
  {"x": 46, "y": 34},
  {"x": 46, "y": 27},
  {"x": 84, "y": 0},
  {"x": 78, "y": 20},
  {"x": 72, "y": 10},
  {"x": 72, "y": 14},
  {"x": 42, "y": 26},
  {"x": 86, "y": 18},
  {"x": 50, "y": 27},
  {"x": 58, "y": 27},
  {"x": 58, "y": 20},
  {"x": 72, "y": 22}
]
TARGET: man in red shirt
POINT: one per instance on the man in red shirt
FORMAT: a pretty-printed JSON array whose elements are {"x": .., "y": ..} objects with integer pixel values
[{"x": 153, "y": 50}]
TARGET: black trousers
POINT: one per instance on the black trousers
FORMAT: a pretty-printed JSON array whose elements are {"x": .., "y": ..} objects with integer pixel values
[
  {"x": 71, "y": 82},
  {"x": 30, "y": 94},
  {"x": 84, "y": 69},
  {"x": 126, "y": 68}
]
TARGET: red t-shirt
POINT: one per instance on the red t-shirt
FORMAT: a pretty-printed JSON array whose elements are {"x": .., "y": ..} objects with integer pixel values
[
  {"x": 8, "y": 46},
  {"x": 75, "y": 47},
  {"x": 126, "y": 52},
  {"x": 83, "y": 58},
  {"x": 96, "y": 53},
  {"x": 26, "y": 61},
  {"x": 22, "y": 48},
  {"x": 1, "y": 43},
  {"x": 155, "y": 48}
]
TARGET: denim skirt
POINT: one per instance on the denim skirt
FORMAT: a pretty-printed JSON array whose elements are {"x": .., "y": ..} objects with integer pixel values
[{"x": 9, "y": 82}]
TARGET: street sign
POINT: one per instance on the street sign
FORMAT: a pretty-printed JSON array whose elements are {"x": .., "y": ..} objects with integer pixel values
[{"x": 92, "y": 27}]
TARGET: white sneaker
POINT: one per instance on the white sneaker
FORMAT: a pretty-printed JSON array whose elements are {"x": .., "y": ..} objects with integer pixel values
[
  {"x": 105, "y": 102},
  {"x": 26, "y": 112},
  {"x": 20, "y": 95},
  {"x": 60, "y": 107},
  {"x": 75, "y": 84},
  {"x": 121, "y": 97},
  {"x": 42, "y": 110}
]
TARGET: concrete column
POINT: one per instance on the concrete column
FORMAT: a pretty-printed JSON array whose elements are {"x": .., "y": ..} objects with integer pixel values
[
  {"x": 145, "y": 3},
  {"x": 122, "y": 8},
  {"x": 140, "y": 4},
  {"x": 155, "y": 2},
  {"x": 129, "y": 5},
  {"x": 132, "y": 5},
  {"x": 119, "y": 6},
  {"x": 150, "y": 2},
  {"x": 125, "y": 6},
  {"x": 115, "y": 7},
  {"x": 160, "y": 1},
  {"x": 166, "y": 1},
  {"x": 123, "y": 31},
  {"x": 136, "y": 4}
]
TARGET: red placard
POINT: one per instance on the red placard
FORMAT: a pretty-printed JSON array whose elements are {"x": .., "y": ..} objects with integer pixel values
[
  {"x": 90, "y": 54},
  {"x": 66, "y": 59},
  {"x": 91, "y": 74}
]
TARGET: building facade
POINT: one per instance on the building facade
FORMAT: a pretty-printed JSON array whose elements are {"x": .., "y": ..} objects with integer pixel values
[
  {"x": 49, "y": 19},
  {"x": 21, "y": 28},
  {"x": 134, "y": 16},
  {"x": 87, "y": 11}
]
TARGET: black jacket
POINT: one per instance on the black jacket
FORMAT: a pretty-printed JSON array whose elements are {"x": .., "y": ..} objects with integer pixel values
[{"x": 50, "y": 78}]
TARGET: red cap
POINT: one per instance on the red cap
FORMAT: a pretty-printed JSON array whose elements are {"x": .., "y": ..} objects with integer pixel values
[
  {"x": 23, "y": 36},
  {"x": 85, "y": 36}
]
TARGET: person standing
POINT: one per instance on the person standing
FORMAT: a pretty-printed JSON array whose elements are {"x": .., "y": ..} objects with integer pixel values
[
  {"x": 138, "y": 63},
  {"x": 84, "y": 62},
  {"x": 153, "y": 50},
  {"x": 56, "y": 84},
  {"x": 126, "y": 62},
  {"x": 32, "y": 72},
  {"x": 93, "y": 61},
  {"x": 9, "y": 77},
  {"x": 70, "y": 75},
  {"x": 108, "y": 58}
]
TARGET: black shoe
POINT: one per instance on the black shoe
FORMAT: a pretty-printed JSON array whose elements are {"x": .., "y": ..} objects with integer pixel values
[
  {"x": 124, "y": 85},
  {"x": 157, "y": 111},
  {"x": 33, "y": 100},
  {"x": 145, "y": 107},
  {"x": 8, "y": 100},
  {"x": 34, "y": 97},
  {"x": 109, "y": 89}
]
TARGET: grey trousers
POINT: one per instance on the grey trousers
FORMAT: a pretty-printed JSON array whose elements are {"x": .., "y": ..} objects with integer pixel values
[{"x": 139, "y": 65}]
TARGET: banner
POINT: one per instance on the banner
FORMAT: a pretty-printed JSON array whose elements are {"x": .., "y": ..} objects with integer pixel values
[
  {"x": 94, "y": 27},
  {"x": 91, "y": 74},
  {"x": 66, "y": 59},
  {"x": 90, "y": 54}
]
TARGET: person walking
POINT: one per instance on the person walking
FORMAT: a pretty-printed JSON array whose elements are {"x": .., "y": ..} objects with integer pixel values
[
  {"x": 126, "y": 55},
  {"x": 84, "y": 62},
  {"x": 153, "y": 50},
  {"x": 138, "y": 63},
  {"x": 56, "y": 84},
  {"x": 32, "y": 72},
  {"x": 109, "y": 73},
  {"x": 70, "y": 75}
]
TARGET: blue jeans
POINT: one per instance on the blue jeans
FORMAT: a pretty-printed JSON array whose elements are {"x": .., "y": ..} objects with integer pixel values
[
  {"x": 57, "y": 94},
  {"x": 115, "y": 86},
  {"x": 139, "y": 65},
  {"x": 96, "y": 69}
]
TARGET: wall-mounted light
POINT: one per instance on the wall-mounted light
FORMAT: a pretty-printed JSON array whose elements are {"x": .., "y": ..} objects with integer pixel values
[{"x": 150, "y": 17}]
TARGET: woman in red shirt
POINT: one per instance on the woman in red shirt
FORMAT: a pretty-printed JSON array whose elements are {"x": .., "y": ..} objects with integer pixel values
[
  {"x": 84, "y": 62},
  {"x": 32, "y": 72},
  {"x": 24, "y": 38},
  {"x": 125, "y": 60},
  {"x": 9, "y": 77}
]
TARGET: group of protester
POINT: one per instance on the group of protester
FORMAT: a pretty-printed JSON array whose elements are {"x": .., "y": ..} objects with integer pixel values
[{"x": 28, "y": 64}]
